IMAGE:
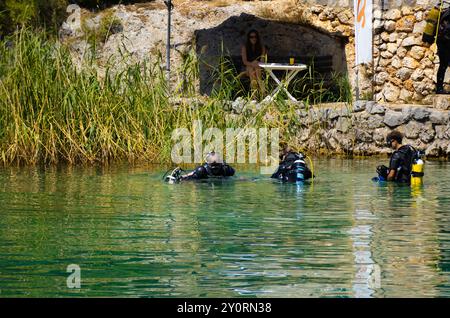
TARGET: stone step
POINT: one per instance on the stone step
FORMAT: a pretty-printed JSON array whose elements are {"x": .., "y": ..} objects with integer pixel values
[{"x": 441, "y": 102}]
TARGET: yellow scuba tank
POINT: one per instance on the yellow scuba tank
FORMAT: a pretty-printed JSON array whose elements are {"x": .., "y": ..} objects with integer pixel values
[
  {"x": 417, "y": 172},
  {"x": 432, "y": 19}
]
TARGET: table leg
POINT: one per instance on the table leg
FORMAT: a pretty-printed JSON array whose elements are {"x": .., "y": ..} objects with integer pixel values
[
  {"x": 277, "y": 89},
  {"x": 283, "y": 85},
  {"x": 289, "y": 78}
]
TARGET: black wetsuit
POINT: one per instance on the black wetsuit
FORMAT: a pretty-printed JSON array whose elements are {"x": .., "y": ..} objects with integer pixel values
[
  {"x": 287, "y": 171},
  {"x": 253, "y": 54},
  {"x": 443, "y": 46},
  {"x": 212, "y": 170},
  {"x": 401, "y": 162}
]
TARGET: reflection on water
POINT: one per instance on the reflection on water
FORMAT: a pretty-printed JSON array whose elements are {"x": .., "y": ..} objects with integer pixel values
[{"x": 133, "y": 235}]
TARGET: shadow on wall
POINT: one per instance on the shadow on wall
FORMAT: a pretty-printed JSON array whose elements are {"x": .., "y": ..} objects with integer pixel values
[{"x": 282, "y": 40}]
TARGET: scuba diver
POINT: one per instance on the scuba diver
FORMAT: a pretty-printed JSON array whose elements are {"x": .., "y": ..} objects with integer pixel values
[
  {"x": 214, "y": 167},
  {"x": 437, "y": 30},
  {"x": 405, "y": 165},
  {"x": 292, "y": 167},
  {"x": 443, "y": 49}
]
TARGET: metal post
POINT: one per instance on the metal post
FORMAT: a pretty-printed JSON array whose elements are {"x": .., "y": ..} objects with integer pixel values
[{"x": 169, "y": 5}]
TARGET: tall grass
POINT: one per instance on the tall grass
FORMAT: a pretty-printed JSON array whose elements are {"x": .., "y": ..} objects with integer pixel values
[{"x": 52, "y": 111}]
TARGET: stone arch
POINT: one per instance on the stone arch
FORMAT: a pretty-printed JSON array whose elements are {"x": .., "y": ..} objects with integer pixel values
[{"x": 281, "y": 38}]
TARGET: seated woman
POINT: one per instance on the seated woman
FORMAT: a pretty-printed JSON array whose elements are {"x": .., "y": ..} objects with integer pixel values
[
  {"x": 292, "y": 167},
  {"x": 253, "y": 52},
  {"x": 213, "y": 167}
]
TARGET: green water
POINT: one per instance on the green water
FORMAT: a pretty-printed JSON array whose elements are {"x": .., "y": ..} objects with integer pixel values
[{"x": 135, "y": 236}]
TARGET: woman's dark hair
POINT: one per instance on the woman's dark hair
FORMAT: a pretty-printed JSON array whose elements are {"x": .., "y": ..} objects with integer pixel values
[
  {"x": 394, "y": 135},
  {"x": 258, "y": 51}
]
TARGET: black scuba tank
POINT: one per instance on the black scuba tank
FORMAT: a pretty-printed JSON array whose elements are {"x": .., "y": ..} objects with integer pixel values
[{"x": 300, "y": 170}]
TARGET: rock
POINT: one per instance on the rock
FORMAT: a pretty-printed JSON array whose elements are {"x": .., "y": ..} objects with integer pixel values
[
  {"x": 441, "y": 102},
  {"x": 374, "y": 108},
  {"x": 393, "y": 37},
  {"x": 396, "y": 81},
  {"x": 402, "y": 35},
  {"x": 412, "y": 130},
  {"x": 401, "y": 52},
  {"x": 380, "y": 78},
  {"x": 407, "y": 112},
  {"x": 433, "y": 150},
  {"x": 379, "y": 135},
  {"x": 409, "y": 62},
  {"x": 404, "y": 73},
  {"x": 393, "y": 14},
  {"x": 427, "y": 133},
  {"x": 313, "y": 115},
  {"x": 426, "y": 63},
  {"x": 438, "y": 117},
  {"x": 384, "y": 62},
  {"x": 378, "y": 14},
  {"x": 411, "y": 40},
  {"x": 393, "y": 119},
  {"x": 343, "y": 125},
  {"x": 417, "y": 96},
  {"x": 392, "y": 47},
  {"x": 420, "y": 113},
  {"x": 333, "y": 114},
  {"x": 419, "y": 16},
  {"x": 441, "y": 131},
  {"x": 386, "y": 54},
  {"x": 268, "y": 117},
  {"x": 405, "y": 95},
  {"x": 438, "y": 148},
  {"x": 316, "y": 9},
  {"x": 378, "y": 25},
  {"x": 429, "y": 73},
  {"x": 417, "y": 75},
  {"x": 396, "y": 62},
  {"x": 409, "y": 85},
  {"x": 391, "y": 92},
  {"x": 384, "y": 36},
  {"x": 343, "y": 18},
  {"x": 419, "y": 27},
  {"x": 417, "y": 52},
  {"x": 301, "y": 113},
  {"x": 359, "y": 106},
  {"x": 363, "y": 136},
  {"x": 405, "y": 24},
  {"x": 389, "y": 26},
  {"x": 375, "y": 121},
  {"x": 238, "y": 105},
  {"x": 423, "y": 87},
  {"x": 407, "y": 11}
]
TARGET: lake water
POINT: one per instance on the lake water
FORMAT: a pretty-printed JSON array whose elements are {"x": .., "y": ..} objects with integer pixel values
[{"x": 133, "y": 235}]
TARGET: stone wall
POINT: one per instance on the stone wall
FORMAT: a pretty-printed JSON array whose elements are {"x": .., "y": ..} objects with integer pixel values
[
  {"x": 361, "y": 128},
  {"x": 281, "y": 38},
  {"x": 404, "y": 69}
]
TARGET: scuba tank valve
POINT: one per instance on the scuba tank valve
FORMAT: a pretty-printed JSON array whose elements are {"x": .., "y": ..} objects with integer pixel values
[{"x": 417, "y": 171}]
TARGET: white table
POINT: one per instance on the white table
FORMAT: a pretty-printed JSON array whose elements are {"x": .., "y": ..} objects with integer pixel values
[{"x": 291, "y": 70}]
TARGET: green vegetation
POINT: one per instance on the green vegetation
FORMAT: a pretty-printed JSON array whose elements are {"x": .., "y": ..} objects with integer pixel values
[{"x": 33, "y": 13}]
